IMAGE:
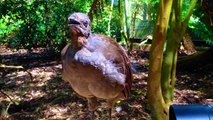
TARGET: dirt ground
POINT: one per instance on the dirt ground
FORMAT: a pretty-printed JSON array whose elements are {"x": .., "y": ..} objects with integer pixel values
[{"x": 37, "y": 91}]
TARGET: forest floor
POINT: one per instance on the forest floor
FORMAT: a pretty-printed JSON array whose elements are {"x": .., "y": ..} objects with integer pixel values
[{"x": 37, "y": 91}]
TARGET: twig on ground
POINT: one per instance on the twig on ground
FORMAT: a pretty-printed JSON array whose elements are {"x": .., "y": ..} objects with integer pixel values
[{"x": 10, "y": 66}]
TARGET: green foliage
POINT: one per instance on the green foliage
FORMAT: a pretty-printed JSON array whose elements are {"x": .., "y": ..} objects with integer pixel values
[
  {"x": 101, "y": 19},
  {"x": 153, "y": 5},
  {"x": 37, "y": 23},
  {"x": 43, "y": 23},
  {"x": 144, "y": 28},
  {"x": 200, "y": 31},
  {"x": 199, "y": 27},
  {"x": 136, "y": 19}
]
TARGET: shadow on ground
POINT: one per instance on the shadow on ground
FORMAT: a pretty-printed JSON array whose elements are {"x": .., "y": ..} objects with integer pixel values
[{"x": 38, "y": 92}]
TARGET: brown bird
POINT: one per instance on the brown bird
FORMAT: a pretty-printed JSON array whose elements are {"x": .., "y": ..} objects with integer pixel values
[{"x": 95, "y": 65}]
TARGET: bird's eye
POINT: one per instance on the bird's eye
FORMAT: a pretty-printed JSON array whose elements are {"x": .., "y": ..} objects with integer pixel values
[{"x": 85, "y": 23}]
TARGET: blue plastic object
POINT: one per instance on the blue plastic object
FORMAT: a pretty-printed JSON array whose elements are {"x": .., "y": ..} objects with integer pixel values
[{"x": 191, "y": 112}]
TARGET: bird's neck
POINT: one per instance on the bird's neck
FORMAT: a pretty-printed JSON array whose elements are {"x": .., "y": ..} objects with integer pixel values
[
  {"x": 78, "y": 42},
  {"x": 74, "y": 43}
]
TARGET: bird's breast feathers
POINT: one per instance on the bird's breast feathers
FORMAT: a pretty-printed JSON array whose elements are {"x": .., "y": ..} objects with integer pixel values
[{"x": 93, "y": 54}]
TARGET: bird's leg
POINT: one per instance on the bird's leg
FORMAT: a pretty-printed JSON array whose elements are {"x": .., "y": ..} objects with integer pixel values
[
  {"x": 92, "y": 103},
  {"x": 110, "y": 104},
  {"x": 110, "y": 113},
  {"x": 92, "y": 115}
]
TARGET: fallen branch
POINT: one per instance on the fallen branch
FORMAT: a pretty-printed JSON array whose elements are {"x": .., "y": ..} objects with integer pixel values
[
  {"x": 10, "y": 66},
  {"x": 7, "y": 96}
]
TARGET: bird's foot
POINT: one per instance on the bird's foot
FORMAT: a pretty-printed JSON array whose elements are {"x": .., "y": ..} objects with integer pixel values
[{"x": 92, "y": 115}]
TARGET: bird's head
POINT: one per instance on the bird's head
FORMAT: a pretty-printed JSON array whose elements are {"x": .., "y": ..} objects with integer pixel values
[{"x": 80, "y": 25}]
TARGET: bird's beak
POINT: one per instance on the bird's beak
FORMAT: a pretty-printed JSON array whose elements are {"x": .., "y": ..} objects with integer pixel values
[{"x": 73, "y": 21}]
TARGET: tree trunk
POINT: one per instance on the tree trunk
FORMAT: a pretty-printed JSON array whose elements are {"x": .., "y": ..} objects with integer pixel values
[
  {"x": 93, "y": 9},
  {"x": 175, "y": 36},
  {"x": 162, "y": 71},
  {"x": 122, "y": 13},
  {"x": 135, "y": 12},
  {"x": 169, "y": 62},
  {"x": 110, "y": 17},
  {"x": 188, "y": 45},
  {"x": 155, "y": 98}
]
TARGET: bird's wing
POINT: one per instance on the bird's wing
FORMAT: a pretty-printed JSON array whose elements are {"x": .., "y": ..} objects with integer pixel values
[{"x": 114, "y": 52}]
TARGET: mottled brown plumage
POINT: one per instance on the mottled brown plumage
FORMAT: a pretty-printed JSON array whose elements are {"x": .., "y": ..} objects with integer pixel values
[{"x": 95, "y": 65}]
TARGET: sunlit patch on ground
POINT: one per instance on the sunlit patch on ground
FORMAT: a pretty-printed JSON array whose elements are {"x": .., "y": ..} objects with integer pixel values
[{"x": 38, "y": 92}]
